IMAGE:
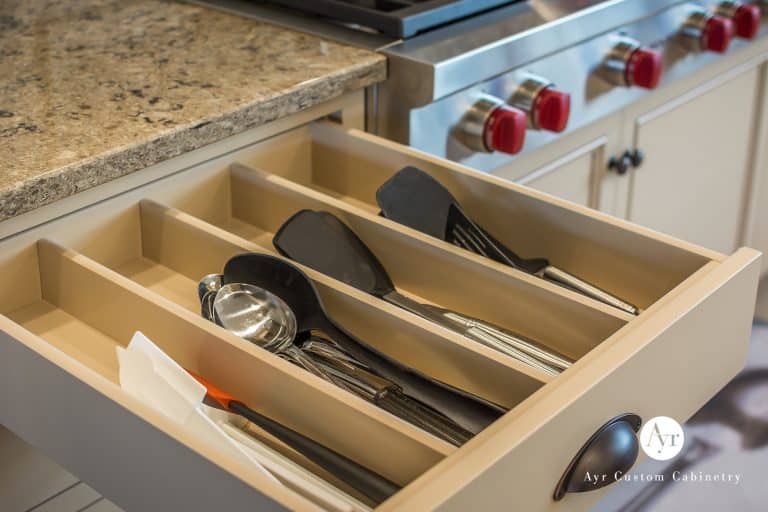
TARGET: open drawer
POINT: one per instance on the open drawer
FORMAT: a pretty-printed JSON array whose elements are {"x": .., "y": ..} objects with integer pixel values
[{"x": 80, "y": 285}]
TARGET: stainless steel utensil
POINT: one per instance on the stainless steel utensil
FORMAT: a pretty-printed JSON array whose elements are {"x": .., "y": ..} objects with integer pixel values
[
  {"x": 464, "y": 233},
  {"x": 206, "y": 292},
  {"x": 464, "y": 409},
  {"x": 260, "y": 317},
  {"x": 384, "y": 393},
  {"x": 513, "y": 344}
]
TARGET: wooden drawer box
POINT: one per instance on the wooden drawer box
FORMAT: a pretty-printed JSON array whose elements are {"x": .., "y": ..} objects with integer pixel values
[{"x": 80, "y": 285}]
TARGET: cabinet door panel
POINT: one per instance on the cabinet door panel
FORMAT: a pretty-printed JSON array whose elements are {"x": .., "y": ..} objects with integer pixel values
[
  {"x": 693, "y": 182},
  {"x": 757, "y": 228},
  {"x": 572, "y": 180}
]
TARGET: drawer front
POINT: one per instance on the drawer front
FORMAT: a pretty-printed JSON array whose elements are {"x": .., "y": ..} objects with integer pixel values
[
  {"x": 133, "y": 462},
  {"x": 668, "y": 365},
  {"x": 145, "y": 250}
]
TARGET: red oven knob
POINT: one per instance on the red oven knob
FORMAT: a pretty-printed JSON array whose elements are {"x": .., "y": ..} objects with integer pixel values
[
  {"x": 492, "y": 125},
  {"x": 551, "y": 110},
  {"x": 628, "y": 64},
  {"x": 505, "y": 130},
  {"x": 703, "y": 31},
  {"x": 644, "y": 68},
  {"x": 547, "y": 108},
  {"x": 717, "y": 34},
  {"x": 746, "y": 17}
]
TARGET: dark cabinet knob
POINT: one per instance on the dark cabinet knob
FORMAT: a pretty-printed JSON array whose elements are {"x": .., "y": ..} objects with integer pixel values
[
  {"x": 626, "y": 161},
  {"x": 620, "y": 164},
  {"x": 613, "y": 448}
]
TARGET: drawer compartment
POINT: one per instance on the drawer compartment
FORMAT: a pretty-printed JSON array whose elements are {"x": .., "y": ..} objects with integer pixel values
[
  {"x": 635, "y": 264},
  {"x": 83, "y": 283},
  {"x": 167, "y": 251}
]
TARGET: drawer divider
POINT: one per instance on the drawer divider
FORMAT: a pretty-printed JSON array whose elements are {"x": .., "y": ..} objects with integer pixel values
[{"x": 520, "y": 379}]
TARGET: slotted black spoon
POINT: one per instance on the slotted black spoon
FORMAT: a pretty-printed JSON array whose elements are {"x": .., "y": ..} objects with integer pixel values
[{"x": 415, "y": 199}]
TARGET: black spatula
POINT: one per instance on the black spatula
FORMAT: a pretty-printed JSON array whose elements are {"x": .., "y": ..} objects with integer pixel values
[
  {"x": 414, "y": 198},
  {"x": 417, "y": 200},
  {"x": 297, "y": 290},
  {"x": 324, "y": 243}
]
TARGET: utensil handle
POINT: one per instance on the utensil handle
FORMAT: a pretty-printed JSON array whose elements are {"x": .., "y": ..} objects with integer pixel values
[
  {"x": 364, "y": 480},
  {"x": 563, "y": 278},
  {"x": 541, "y": 353},
  {"x": 465, "y": 409},
  {"x": 297, "y": 356},
  {"x": 493, "y": 342},
  {"x": 476, "y": 330},
  {"x": 389, "y": 397},
  {"x": 423, "y": 416},
  {"x": 422, "y": 310},
  {"x": 508, "y": 339}
]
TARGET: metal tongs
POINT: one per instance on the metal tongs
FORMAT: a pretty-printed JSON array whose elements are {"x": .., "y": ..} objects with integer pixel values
[{"x": 415, "y": 199}]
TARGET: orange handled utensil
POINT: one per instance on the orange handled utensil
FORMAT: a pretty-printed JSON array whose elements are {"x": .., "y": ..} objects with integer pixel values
[{"x": 364, "y": 480}]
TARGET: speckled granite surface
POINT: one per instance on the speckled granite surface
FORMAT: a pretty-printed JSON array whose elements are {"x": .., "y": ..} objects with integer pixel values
[{"x": 91, "y": 90}]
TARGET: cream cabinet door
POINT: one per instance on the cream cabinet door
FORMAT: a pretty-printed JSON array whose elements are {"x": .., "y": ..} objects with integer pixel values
[
  {"x": 697, "y": 147},
  {"x": 757, "y": 227},
  {"x": 571, "y": 177}
]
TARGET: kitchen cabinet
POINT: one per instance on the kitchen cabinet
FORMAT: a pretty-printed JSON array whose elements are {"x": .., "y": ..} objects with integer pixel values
[
  {"x": 702, "y": 173},
  {"x": 144, "y": 245},
  {"x": 693, "y": 181},
  {"x": 28, "y": 478},
  {"x": 31, "y": 481}
]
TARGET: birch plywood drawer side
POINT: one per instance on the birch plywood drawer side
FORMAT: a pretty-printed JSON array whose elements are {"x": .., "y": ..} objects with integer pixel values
[{"x": 79, "y": 285}]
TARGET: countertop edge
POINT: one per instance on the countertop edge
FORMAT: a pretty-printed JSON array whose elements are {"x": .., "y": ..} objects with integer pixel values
[{"x": 33, "y": 193}]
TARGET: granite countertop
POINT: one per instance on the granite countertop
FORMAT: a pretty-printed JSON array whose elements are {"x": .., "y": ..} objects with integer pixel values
[{"x": 92, "y": 90}]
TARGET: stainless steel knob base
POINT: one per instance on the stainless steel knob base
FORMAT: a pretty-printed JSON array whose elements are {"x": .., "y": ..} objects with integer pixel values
[
  {"x": 525, "y": 96},
  {"x": 614, "y": 67},
  {"x": 471, "y": 130},
  {"x": 692, "y": 31}
]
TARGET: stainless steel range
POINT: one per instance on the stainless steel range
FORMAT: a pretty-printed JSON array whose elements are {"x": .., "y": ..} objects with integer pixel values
[{"x": 482, "y": 81}]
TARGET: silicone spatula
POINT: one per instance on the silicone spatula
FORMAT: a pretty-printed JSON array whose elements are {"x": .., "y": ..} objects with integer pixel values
[{"x": 321, "y": 241}]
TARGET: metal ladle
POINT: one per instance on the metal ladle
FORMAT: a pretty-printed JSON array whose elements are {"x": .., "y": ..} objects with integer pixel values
[{"x": 255, "y": 315}]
